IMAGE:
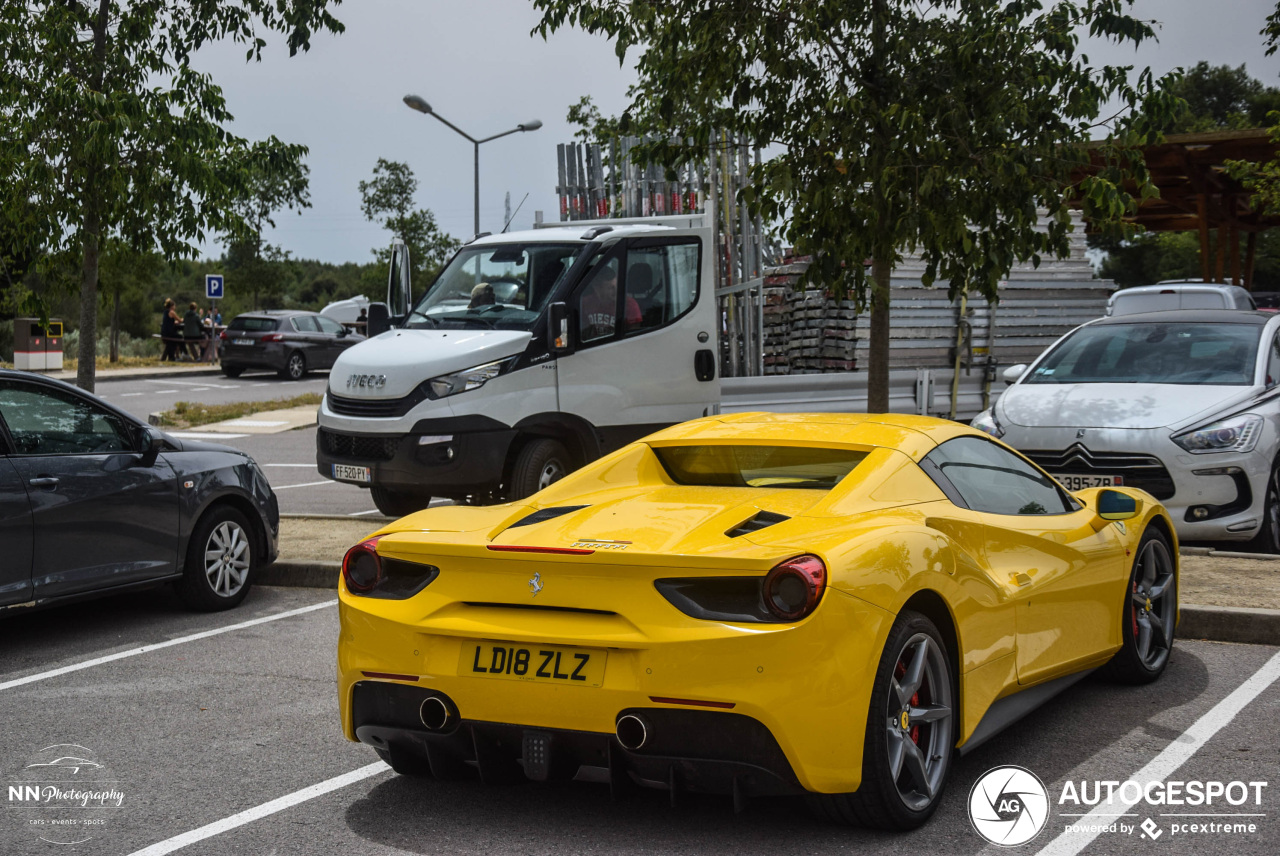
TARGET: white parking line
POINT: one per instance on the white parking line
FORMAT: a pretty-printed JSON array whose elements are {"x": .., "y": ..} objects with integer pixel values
[
  {"x": 168, "y": 382},
  {"x": 361, "y": 513},
  {"x": 164, "y": 391},
  {"x": 266, "y": 809},
  {"x": 305, "y": 484},
  {"x": 156, "y": 646},
  {"x": 131, "y": 394},
  {"x": 310, "y": 466},
  {"x": 1177, "y": 753},
  {"x": 204, "y": 435}
]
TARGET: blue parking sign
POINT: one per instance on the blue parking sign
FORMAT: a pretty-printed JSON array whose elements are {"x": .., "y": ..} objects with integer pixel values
[{"x": 213, "y": 286}]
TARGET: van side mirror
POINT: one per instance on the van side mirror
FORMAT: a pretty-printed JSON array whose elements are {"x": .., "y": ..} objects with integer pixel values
[
  {"x": 379, "y": 320},
  {"x": 1013, "y": 373},
  {"x": 1114, "y": 505},
  {"x": 559, "y": 340}
]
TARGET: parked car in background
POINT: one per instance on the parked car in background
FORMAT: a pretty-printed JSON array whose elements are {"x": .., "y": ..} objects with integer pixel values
[
  {"x": 1178, "y": 294},
  {"x": 94, "y": 502},
  {"x": 291, "y": 342},
  {"x": 1184, "y": 405}
]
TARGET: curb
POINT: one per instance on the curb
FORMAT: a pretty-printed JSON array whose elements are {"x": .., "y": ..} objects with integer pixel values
[
  {"x": 1230, "y": 624},
  {"x": 375, "y": 518},
  {"x": 1212, "y": 623},
  {"x": 1227, "y": 554}
]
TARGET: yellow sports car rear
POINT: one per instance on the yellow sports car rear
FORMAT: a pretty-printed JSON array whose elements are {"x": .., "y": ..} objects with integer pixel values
[{"x": 751, "y": 604}]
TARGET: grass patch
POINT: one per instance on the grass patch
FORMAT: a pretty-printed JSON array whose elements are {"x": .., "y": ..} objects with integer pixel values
[{"x": 188, "y": 414}]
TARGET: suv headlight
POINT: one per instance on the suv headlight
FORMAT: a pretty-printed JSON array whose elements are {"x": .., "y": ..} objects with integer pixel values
[
  {"x": 987, "y": 421},
  {"x": 468, "y": 379},
  {"x": 1237, "y": 434}
]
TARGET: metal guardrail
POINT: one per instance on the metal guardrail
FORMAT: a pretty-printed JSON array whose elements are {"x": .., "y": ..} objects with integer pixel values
[{"x": 922, "y": 391}]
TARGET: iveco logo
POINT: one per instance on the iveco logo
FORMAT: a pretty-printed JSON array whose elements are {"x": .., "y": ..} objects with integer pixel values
[{"x": 366, "y": 381}]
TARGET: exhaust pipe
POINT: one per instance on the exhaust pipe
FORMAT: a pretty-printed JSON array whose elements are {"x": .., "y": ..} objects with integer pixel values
[
  {"x": 435, "y": 714},
  {"x": 632, "y": 731}
]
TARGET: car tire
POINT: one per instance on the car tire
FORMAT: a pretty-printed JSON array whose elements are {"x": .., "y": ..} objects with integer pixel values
[
  {"x": 910, "y": 736},
  {"x": 232, "y": 371},
  {"x": 405, "y": 763},
  {"x": 1268, "y": 538},
  {"x": 396, "y": 504},
  {"x": 1149, "y": 614},
  {"x": 222, "y": 561},
  {"x": 541, "y": 463},
  {"x": 295, "y": 368}
]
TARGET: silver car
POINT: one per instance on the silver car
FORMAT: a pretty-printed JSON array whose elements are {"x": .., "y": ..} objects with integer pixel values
[{"x": 1184, "y": 405}]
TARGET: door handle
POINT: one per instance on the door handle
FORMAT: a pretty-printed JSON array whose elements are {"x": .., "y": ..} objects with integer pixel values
[{"x": 44, "y": 481}]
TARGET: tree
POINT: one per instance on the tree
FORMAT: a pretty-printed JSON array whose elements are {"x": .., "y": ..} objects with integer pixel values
[
  {"x": 935, "y": 127},
  {"x": 1221, "y": 98},
  {"x": 387, "y": 199},
  {"x": 109, "y": 131}
]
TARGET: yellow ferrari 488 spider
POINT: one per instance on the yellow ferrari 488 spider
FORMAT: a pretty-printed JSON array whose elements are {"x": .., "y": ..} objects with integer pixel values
[{"x": 755, "y": 604}]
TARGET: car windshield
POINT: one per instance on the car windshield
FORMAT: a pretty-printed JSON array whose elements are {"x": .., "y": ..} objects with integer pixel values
[
  {"x": 496, "y": 285},
  {"x": 758, "y": 466},
  {"x": 1176, "y": 353}
]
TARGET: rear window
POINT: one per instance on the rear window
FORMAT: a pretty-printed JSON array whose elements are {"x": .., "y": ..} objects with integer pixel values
[
  {"x": 253, "y": 325},
  {"x": 758, "y": 466}
]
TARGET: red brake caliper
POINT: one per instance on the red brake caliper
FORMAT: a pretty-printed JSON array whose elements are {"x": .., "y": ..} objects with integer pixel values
[
  {"x": 898, "y": 672},
  {"x": 1133, "y": 611}
]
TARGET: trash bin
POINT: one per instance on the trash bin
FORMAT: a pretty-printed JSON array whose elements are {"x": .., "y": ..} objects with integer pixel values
[{"x": 37, "y": 347}]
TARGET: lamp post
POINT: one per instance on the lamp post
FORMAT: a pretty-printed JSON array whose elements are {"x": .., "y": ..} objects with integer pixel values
[{"x": 417, "y": 103}]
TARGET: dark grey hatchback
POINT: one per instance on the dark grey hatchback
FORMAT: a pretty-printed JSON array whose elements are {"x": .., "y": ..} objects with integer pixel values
[
  {"x": 94, "y": 502},
  {"x": 291, "y": 342}
]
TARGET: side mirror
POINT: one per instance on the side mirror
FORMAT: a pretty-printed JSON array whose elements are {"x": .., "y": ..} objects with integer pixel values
[
  {"x": 150, "y": 444},
  {"x": 342, "y": 334},
  {"x": 1013, "y": 373},
  {"x": 1113, "y": 505},
  {"x": 379, "y": 320},
  {"x": 558, "y": 338}
]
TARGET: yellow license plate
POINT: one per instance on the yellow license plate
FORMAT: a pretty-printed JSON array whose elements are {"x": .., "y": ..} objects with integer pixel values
[{"x": 548, "y": 664}]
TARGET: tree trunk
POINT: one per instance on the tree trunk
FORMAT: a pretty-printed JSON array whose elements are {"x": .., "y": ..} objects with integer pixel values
[
  {"x": 87, "y": 351},
  {"x": 878, "y": 358}
]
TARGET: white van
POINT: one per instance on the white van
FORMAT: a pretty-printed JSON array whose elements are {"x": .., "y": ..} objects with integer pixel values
[
  {"x": 1178, "y": 294},
  {"x": 583, "y": 341}
]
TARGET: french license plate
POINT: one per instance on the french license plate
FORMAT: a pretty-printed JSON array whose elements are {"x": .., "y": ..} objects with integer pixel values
[
  {"x": 547, "y": 664},
  {"x": 1082, "y": 482},
  {"x": 242, "y": 341},
  {"x": 343, "y": 472}
]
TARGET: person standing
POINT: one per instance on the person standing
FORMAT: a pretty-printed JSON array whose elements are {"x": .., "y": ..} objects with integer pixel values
[
  {"x": 169, "y": 331},
  {"x": 192, "y": 331}
]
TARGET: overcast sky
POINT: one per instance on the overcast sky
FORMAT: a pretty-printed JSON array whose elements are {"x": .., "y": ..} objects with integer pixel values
[{"x": 476, "y": 64}]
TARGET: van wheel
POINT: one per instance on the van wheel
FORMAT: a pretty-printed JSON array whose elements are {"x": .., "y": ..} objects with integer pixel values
[
  {"x": 395, "y": 504},
  {"x": 541, "y": 463},
  {"x": 221, "y": 561}
]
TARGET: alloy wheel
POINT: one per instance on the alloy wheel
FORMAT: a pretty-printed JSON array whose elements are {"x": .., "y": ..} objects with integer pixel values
[
  {"x": 296, "y": 366},
  {"x": 919, "y": 721},
  {"x": 1152, "y": 604},
  {"x": 226, "y": 558}
]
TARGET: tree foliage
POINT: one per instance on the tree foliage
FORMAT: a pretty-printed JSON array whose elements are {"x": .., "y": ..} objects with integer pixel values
[
  {"x": 940, "y": 128},
  {"x": 1220, "y": 97},
  {"x": 110, "y": 132},
  {"x": 388, "y": 199}
]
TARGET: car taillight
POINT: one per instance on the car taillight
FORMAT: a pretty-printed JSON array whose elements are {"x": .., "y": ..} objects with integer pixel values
[
  {"x": 793, "y": 589},
  {"x": 362, "y": 567},
  {"x": 223, "y": 336},
  {"x": 273, "y": 337},
  {"x": 369, "y": 575}
]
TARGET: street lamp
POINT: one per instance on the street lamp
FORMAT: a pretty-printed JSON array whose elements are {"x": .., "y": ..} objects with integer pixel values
[{"x": 417, "y": 103}]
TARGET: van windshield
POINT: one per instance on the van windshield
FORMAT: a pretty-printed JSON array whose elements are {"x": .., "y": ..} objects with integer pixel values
[
  {"x": 496, "y": 285},
  {"x": 1186, "y": 353}
]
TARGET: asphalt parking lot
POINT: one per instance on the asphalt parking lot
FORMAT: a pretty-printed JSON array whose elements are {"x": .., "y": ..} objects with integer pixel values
[{"x": 223, "y": 738}]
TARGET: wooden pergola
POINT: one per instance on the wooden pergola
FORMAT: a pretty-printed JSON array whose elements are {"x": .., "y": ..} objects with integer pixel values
[{"x": 1197, "y": 195}]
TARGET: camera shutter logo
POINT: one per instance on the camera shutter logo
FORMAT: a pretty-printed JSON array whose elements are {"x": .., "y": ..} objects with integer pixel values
[{"x": 1008, "y": 806}]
